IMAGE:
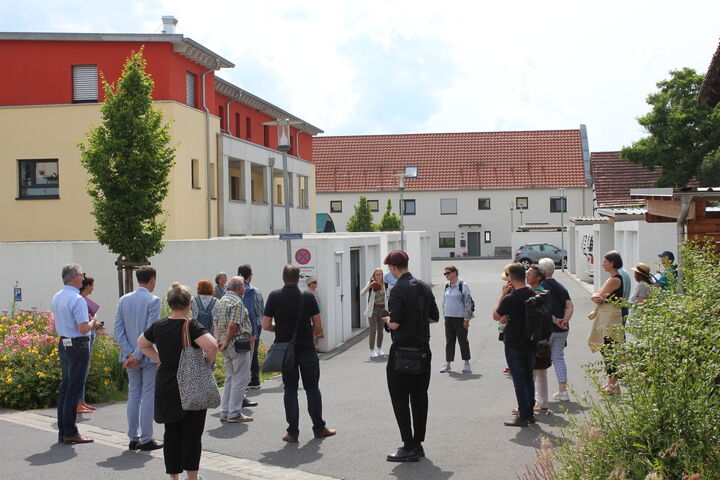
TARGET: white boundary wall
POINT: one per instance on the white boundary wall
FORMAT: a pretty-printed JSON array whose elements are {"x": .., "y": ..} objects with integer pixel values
[{"x": 36, "y": 266}]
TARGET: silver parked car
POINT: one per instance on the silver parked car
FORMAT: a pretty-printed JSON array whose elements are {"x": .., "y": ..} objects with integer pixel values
[{"x": 533, "y": 252}]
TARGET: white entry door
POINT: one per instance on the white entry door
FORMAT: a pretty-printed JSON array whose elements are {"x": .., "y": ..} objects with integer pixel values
[{"x": 338, "y": 321}]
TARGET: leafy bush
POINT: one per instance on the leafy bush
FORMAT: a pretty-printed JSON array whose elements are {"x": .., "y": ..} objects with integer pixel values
[
  {"x": 30, "y": 366},
  {"x": 666, "y": 423}
]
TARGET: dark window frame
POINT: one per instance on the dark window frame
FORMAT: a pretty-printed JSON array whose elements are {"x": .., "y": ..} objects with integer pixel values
[
  {"x": 33, "y": 185},
  {"x": 333, "y": 208},
  {"x": 517, "y": 203},
  {"x": 406, "y": 202},
  {"x": 377, "y": 205},
  {"x": 440, "y": 240},
  {"x": 555, "y": 208},
  {"x": 487, "y": 236},
  {"x": 488, "y": 203},
  {"x": 72, "y": 82}
]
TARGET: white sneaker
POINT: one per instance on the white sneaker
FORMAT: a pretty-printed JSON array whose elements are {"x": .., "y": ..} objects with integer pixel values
[
  {"x": 467, "y": 368},
  {"x": 380, "y": 352},
  {"x": 561, "y": 396},
  {"x": 445, "y": 369},
  {"x": 373, "y": 353}
]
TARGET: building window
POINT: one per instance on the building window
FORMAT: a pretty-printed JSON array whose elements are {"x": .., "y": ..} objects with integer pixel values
[
  {"x": 248, "y": 128},
  {"x": 257, "y": 184},
  {"x": 483, "y": 204},
  {"x": 266, "y": 135},
  {"x": 558, "y": 204},
  {"x": 488, "y": 236},
  {"x": 408, "y": 207},
  {"x": 374, "y": 205},
  {"x": 336, "y": 206},
  {"x": 447, "y": 239},
  {"x": 38, "y": 178},
  {"x": 303, "y": 191},
  {"x": 195, "y": 173},
  {"x": 236, "y": 171},
  {"x": 237, "y": 125},
  {"x": 521, "y": 202},
  {"x": 279, "y": 187},
  {"x": 85, "y": 83},
  {"x": 190, "y": 81},
  {"x": 448, "y": 206}
]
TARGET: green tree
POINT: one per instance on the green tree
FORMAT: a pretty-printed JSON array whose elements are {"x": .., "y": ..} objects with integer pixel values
[
  {"x": 682, "y": 133},
  {"x": 128, "y": 158},
  {"x": 362, "y": 219},
  {"x": 390, "y": 222}
]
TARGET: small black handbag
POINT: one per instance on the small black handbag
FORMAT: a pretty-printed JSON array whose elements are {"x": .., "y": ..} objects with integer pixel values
[
  {"x": 281, "y": 356},
  {"x": 242, "y": 345},
  {"x": 410, "y": 360}
]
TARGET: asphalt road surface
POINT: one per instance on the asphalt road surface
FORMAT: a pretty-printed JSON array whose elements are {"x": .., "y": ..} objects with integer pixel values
[{"x": 466, "y": 437}]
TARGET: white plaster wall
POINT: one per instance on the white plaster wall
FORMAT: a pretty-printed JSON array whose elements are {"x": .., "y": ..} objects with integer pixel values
[
  {"x": 248, "y": 218},
  {"x": 36, "y": 266},
  {"x": 497, "y": 220}
]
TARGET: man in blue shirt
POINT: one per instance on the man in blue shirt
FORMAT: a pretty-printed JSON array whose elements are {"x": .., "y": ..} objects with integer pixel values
[
  {"x": 136, "y": 312},
  {"x": 670, "y": 273},
  {"x": 73, "y": 325},
  {"x": 251, "y": 299}
]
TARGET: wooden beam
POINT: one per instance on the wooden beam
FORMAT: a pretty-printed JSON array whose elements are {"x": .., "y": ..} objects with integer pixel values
[{"x": 668, "y": 208}]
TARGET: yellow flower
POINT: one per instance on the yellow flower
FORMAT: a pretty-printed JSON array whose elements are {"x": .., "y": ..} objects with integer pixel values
[
  {"x": 107, "y": 382},
  {"x": 40, "y": 374},
  {"x": 9, "y": 380}
]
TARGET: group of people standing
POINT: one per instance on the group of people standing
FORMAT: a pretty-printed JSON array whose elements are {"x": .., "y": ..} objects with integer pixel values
[{"x": 226, "y": 319}]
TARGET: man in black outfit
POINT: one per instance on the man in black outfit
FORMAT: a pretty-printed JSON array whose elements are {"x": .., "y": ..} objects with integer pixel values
[
  {"x": 519, "y": 352},
  {"x": 411, "y": 305},
  {"x": 285, "y": 307}
]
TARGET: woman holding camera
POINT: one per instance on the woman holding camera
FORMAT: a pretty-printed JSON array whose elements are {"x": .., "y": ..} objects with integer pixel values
[{"x": 376, "y": 289}]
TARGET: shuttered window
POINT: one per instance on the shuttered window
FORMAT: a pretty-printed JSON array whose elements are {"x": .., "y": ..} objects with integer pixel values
[
  {"x": 190, "y": 88},
  {"x": 85, "y": 83}
]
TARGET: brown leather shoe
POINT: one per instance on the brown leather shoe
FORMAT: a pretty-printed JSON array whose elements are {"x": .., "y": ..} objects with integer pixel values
[
  {"x": 77, "y": 439},
  {"x": 326, "y": 432},
  {"x": 289, "y": 438}
]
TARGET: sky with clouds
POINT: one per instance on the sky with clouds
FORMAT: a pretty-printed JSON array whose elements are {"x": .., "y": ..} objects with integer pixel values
[{"x": 372, "y": 67}]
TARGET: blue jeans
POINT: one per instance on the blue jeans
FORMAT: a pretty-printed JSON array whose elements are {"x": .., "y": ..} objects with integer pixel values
[
  {"x": 74, "y": 361},
  {"x": 520, "y": 363},
  {"x": 309, "y": 366},
  {"x": 141, "y": 401}
]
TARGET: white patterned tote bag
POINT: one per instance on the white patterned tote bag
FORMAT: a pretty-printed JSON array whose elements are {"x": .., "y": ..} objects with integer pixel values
[{"x": 198, "y": 388}]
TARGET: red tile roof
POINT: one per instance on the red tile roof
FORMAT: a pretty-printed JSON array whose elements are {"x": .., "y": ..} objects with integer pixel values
[
  {"x": 614, "y": 178},
  {"x": 450, "y": 161}
]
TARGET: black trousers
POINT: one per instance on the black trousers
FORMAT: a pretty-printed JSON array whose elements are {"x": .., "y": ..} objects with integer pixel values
[
  {"x": 454, "y": 329},
  {"x": 183, "y": 442},
  {"x": 406, "y": 392}
]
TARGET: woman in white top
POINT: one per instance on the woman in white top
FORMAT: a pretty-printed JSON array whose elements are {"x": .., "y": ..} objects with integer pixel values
[
  {"x": 376, "y": 289},
  {"x": 457, "y": 308}
]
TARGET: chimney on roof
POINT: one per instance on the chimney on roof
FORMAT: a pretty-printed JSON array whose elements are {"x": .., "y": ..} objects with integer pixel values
[{"x": 169, "y": 23}]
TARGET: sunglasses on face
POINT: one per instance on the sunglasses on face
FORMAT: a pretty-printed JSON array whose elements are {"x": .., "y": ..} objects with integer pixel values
[{"x": 449, "y": 272}]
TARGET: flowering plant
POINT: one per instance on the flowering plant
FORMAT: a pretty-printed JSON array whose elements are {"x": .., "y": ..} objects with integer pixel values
[{"x": 30, "y": 366}]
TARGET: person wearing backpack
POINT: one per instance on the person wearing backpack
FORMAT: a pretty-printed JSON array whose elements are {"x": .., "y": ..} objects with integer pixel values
[
  {"x": 519, "y": 351},
  {"x": 203, "y": 305},
  {"x": 458, "y": 308}
]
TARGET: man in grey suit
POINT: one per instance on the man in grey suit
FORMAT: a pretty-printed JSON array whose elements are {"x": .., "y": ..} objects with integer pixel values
[{"x": 136, "y": 312}]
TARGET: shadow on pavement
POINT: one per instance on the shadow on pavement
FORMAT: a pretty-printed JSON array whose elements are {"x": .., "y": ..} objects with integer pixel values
[
  {"x": 58, "y": 453},
  {"x": 292, "y": 454},
  {"x": 126, "y": 461},
  {"x": 377, "y": 360},
  {"x": 567, "y": 407},
  {"x": 229, "y": 430},
  {"x": 461, "y": 377},
  {"x": 530, "y": 436},
  {"x": 424, "y": 469}
]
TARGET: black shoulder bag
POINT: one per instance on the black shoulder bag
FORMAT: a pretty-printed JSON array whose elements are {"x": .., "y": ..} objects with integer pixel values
[
  {"x": 412, "y": 360},
  {"x": 281, "y": 356}
]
